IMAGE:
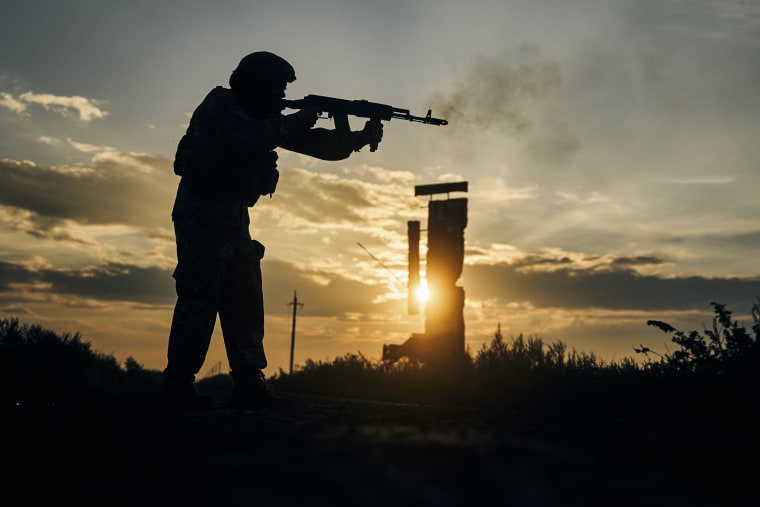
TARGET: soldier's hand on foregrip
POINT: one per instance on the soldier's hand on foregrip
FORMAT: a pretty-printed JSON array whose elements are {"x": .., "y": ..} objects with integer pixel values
[
  {"x": 373, "y": 130},
  {"x": 304, "y": 118}
]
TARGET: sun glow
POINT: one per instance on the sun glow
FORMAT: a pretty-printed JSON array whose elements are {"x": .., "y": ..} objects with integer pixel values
[{"x": 423, "y": 293}]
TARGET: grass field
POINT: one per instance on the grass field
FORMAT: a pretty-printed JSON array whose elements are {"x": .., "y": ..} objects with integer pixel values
[{"x": 521, "y": 423}]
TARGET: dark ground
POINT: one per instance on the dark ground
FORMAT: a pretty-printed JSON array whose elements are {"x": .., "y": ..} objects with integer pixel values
[{"x": 328, "y": 451}]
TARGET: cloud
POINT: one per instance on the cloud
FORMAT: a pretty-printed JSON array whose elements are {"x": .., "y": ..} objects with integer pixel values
[
  {"x": 119, "y": 208},
  {"x": 109, "y": 282},
  {"x": 322, "y": 197},
  {"x": 616, "y": 288},
  {"x": 83, "y": 147},
  {"x": 119, "y": 188},
  {"x": 50, "y": 141},
  {"x": 9, "y": 102},
  {"x": 311, "y": 198},
  {"x": 333, "y": 296},
  {"x": 85, "y": 109},
  {"x": 632, "y": 262},
  {"x": 316, "y": 219}
]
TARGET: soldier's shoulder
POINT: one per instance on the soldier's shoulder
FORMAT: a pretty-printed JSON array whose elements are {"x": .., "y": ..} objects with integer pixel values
[{"x": 218, "y": 94}]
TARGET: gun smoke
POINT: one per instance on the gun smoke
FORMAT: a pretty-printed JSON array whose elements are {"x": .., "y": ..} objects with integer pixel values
[{"x": 517, "y": 95}]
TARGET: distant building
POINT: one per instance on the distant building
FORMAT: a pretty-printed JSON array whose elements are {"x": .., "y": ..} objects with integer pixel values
[{"x": 443, "y": 339}]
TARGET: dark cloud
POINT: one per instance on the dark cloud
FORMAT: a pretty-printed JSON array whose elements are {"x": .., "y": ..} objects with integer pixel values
[
  {"x": 639, "y": 260},
  {"x": 533, "y": 260},
  {"x": 115, "y": 282},
  {"x": 334, "y": 296},
  {"x": 12, "y": 273},
  {"x": 619, "y": 289},
  {"x": 111, "y": 192},
  {"x": 749, "y": 240},
  {"x": 110, "y": 282}
]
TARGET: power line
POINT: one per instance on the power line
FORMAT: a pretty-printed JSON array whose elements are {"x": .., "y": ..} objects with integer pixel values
[{"x": 378, "y": 261}]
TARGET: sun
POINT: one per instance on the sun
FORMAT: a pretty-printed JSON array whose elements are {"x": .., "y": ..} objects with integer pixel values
[{"x": 423, "y": 293}]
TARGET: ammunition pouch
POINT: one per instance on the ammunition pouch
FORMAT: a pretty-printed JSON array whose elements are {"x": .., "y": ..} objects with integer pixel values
[
  {"x": 209, "y": 169},
  {"x": 255, "y": 179}
]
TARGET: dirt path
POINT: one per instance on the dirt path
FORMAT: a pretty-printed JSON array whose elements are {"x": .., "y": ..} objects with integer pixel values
[{"x": 323, "y": 451}]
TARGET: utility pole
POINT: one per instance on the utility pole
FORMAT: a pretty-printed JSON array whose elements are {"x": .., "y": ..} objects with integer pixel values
[{"x": 295, "y": 304}]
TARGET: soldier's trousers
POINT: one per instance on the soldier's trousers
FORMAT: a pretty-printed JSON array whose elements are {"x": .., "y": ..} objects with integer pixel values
[{"x": 218, "y": 273}]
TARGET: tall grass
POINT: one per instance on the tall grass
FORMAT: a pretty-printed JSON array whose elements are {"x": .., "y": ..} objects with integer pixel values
[
  {"x": 40, "y": 366},
  {"x": 528, "y": 370}
]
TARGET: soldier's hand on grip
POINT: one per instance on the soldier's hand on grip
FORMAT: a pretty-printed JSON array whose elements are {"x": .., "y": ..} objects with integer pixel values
[
  {"x": 373, "y": 132},
  {"x": 305, "y": 118}
]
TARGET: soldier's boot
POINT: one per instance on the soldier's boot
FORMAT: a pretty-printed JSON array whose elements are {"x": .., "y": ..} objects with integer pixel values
[
  {"x": 252, "y": 392},
  {"x": 180, "y": 393}
]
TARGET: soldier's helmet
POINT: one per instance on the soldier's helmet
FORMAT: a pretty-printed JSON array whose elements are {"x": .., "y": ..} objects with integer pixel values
[{"x": 260, "y": 71}]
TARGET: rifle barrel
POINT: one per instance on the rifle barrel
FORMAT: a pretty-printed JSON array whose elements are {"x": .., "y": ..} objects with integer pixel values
[{"x": 429, "y": 120}]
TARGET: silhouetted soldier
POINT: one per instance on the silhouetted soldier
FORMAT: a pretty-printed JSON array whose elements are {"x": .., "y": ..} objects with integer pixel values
[{"x": 227, "y": 161}]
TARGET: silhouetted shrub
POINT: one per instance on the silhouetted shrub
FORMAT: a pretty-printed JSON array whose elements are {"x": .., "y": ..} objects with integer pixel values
[
  {"x": 42, "y": 367},
  {"x": 349, "y": 376},
  {"x": 137, "y": 378},
  {"x": 727, "y": 348},
  {"x": 527, "y": 370},
  {"x": 38, "y": 365},
  {"x": 501, "y": 372}
]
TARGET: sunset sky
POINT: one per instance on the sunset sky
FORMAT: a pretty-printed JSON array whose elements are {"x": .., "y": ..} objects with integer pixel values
[{"x": 611, "y": 149}]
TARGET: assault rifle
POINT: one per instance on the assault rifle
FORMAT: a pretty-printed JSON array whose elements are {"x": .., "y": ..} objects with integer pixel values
[{"x": 339, "y": 109}]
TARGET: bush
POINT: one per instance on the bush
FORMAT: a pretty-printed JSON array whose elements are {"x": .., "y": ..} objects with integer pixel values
[
  {"x": 727, "y": 348},
  {"x": 39, "y": 366}
]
